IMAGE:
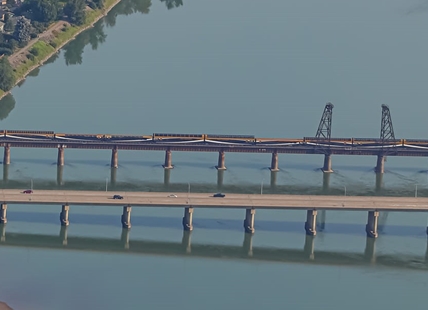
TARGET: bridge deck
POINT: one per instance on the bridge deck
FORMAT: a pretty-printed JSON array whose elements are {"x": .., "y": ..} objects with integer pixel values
[{"x": 206, "y": 200}]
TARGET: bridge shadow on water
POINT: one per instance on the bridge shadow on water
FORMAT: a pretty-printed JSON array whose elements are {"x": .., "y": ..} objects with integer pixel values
[{"x": 211, "y": 224}]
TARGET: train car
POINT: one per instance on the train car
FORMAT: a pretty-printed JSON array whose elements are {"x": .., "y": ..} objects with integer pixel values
[
  {"x": 279, "y": 141},
  {"x": 28, "y": 134},
  {"x": 171, "y": 137},
  {"x": 230, "y": 138}
]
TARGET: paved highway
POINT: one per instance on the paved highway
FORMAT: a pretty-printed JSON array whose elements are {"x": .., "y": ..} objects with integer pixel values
[{"x": 206, "y": 200}]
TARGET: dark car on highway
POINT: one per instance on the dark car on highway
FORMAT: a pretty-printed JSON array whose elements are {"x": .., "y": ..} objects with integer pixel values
[
  {"x": 219, "y": 195},
  {"x": 28, "y": 191},
  {"x": 117, "y": 197}
]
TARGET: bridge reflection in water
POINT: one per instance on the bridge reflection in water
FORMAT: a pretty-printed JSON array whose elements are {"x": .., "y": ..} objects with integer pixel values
[{"x": 247, "y": 251}]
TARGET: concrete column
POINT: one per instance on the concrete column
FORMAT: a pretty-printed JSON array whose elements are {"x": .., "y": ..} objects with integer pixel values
[
  {"x": 3, "y": 217},
  {"x": 186, "y": 241},
  {"x": 114, "y": 158},
  {"x": 220, "y": 178},
  {"x": 63, "y": 235},
  {"x": 59, "y": 175},
  {"x": 221, "y": 161},
  {"x": 327, "y": 164},
  {"x": 380, "y": 164},
  {"x": 188, "y": 219},
  {"x": 126, "y": 217},
  {"x": 311, "y": 222},
  {"x": 309, "y": 247},
  {"x": 124, "y": 238},
  {"x": 60, "y": 161},
  {"x": 63, "y": 216},
  {"x": 168, "y": 160},
  {"x": 371, "y": 227},
  {"x": 3, "y": 232},
  {"x": 274, "y": 162},
  {"x": 247, "y": 245},
  {"x": 6, "y": 157},
  {"x": 249, "y": 221},
  {"x": 370, "y": 250}
]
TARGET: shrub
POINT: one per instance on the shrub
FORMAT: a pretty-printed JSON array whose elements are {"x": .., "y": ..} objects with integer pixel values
[
  {"x": 34, "y": 51},
  {"x": 30, "y": 56},
  {"x": 53, "y": 44}
]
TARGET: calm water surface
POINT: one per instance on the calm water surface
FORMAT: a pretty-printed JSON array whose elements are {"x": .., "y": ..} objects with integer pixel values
[{"x": 227, "y": 67}]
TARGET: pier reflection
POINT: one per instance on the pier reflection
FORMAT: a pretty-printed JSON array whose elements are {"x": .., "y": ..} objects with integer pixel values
[
  {"x": 383, "y": 216},
  {"x": 59, "y": 175},
  {"x": 5, "y": 173},
  {"x": 166, "y": 178},
  {"x": 273, "y": 178},
  {"x": 220, "y": 178},
  {"x": 113, "y": 176},
  {"x": 308, "y": 253}
]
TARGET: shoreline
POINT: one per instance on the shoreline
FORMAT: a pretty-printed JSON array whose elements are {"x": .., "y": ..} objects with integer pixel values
[{"x": 103, "y": 13}]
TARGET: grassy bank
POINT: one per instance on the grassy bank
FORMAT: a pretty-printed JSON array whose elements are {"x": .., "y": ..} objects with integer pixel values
[{"x": 41, "y": 51}]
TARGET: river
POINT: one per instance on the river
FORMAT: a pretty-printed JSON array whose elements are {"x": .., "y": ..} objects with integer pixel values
[{"x": 227, "y": 67}]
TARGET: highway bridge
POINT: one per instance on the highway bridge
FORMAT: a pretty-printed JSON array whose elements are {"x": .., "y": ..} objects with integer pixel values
[
  {"x": 306, "y": 255},
  {"x": 190, "y": 201},
  {"x": 322, "y": 143}
]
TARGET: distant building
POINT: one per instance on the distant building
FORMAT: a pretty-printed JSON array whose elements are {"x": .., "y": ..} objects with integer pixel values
[
  {"x": 3, "y": 2},
  {"x": 2, "y": 14},
  {"x": 1, "y": 26}
]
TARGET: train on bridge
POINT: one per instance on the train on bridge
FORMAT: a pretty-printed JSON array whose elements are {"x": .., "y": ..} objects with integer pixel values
[{"x": 200, "y": 138}]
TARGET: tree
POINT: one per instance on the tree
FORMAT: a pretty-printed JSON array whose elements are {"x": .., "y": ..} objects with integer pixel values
[
  {"x": 8, "y": 23},
  {"x": 7, "y": 78},
  {"x": 22, "y": 30},
  {"x": 44, "y": 10},
  {"x": 75, "y": 10}
]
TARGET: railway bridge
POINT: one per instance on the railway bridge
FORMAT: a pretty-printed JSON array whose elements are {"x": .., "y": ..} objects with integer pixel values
[{"x": 322, "y": 143}]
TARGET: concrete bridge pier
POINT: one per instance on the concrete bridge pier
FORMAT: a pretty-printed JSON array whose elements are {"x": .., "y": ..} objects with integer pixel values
[
  {"x": 3, "y": 210},
  {"x": 372, "y": 221},
  {"x": 63, "y": 216},
  {"x": 3, "y": 232},
  {"x": 59, "y": 175},
  {"x": 221, "y": 161},
  {"x": 309, "y": 247},
  {"x": 124, "y": 238},
  {"x": 370, "y": 250},
  {"x": 327, "y": 164},
  {"x": 249, "y": 221},
  {"x": 311, "y": 222},
  {"x": 168, "y": 160},
  {"x": 126, "y": 217},
  {"x": 60, "y": 161},
  {"x": 188, "y": 219},
  {"x": 186, "y": 241},
  {"x": 6, "y": 157},
  {"x": 380, "y": 164},
  {"x": 63, "y": 235},
  {"x": 114, "y": 158},
  {"x": 6, "y": 173},
  {"x": 220, "y": 178},
  {"x": 274, "y": 162},
  {"x": 247, "y": 245}
]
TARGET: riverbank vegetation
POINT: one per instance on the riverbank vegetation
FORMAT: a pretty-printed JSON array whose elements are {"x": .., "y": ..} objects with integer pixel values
[{"x": 38, "y": 28}]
